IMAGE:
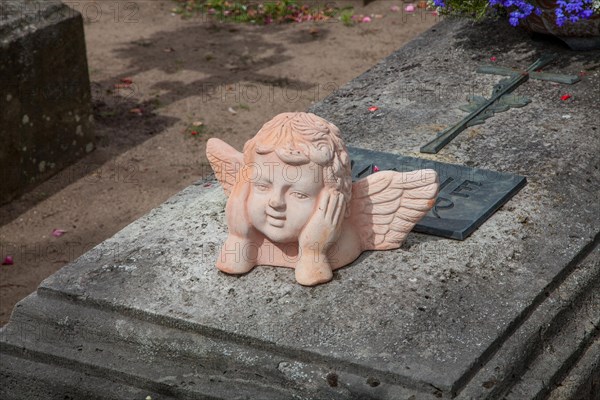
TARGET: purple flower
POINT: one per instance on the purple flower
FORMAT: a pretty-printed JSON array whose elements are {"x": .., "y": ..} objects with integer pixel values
[
  {"x": 587, "y": 13},
  {"x": 573, "y": 10},
  {"x": 565, "y": 11}
]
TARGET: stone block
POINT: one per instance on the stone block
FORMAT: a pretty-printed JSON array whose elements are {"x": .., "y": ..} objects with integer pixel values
[{"x": 45, "y": 103}]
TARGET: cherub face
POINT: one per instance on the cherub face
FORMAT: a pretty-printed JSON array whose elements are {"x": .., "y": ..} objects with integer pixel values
[{"x": 282, "y": 197}]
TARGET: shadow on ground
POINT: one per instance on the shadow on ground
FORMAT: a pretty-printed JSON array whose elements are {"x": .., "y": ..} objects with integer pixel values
[{"x": 198, "y": 49}]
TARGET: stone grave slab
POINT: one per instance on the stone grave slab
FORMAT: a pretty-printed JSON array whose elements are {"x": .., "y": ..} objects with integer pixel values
[
  {"x": 45, "y": 107},
  {"x": 507, "y": 313}
]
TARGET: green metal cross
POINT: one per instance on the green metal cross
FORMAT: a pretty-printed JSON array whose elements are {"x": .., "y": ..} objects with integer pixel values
[{"x": 480, "y": 108}]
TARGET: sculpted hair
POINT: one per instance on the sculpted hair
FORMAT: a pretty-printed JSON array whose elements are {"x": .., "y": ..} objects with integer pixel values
[{"x": 299, "y": 138}]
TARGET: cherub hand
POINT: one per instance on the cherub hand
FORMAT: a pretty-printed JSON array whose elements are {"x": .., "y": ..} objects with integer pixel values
[
  {"x": 238, "y": 221},
  {"x": 239, "y": 253},
  {"x": 318, "y": 236},
  {"x": 323, "y": 228}
]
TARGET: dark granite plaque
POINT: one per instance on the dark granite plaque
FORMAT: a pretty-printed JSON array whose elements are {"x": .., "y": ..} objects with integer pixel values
[{"x": 467, "y": 197}]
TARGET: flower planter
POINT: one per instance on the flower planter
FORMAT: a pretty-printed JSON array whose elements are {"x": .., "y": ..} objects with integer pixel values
[{"x": 581, "y": 35}]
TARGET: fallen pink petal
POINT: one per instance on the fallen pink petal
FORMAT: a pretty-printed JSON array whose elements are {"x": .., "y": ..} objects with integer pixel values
[
  {"x": 374, "y": 108},
  {"x": 58, "y": 232},
  {"x": 493, "y": 59},
  {"x": 375, "y": 168},
  {"x": 366, "y": 19},
  {"x": 410, "y": 8},
  {"x": 565, "y": 97},
  {"x": 8, "y": 260},
  {"x": 394, "y": 8}
]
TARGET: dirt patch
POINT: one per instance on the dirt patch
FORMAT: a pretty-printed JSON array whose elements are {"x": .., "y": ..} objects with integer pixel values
[{"x": 232, "y": 78}]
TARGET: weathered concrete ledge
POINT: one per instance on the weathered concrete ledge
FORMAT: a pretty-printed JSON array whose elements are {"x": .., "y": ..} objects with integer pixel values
[
  {"x": 510, "y": 312},
  {"x": 45, "y": 107}
]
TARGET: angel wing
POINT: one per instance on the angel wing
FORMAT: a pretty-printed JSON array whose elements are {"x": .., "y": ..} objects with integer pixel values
[
  {"x": 225, "y": 161},
  {"x": 386, "y": 206}
]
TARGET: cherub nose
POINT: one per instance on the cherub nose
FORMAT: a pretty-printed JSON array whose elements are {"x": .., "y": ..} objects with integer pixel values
[{"x": 277, "y": 200}]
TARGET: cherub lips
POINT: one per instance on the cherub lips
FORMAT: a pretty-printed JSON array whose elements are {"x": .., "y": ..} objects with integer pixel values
[{"x": 276, "y": 220}]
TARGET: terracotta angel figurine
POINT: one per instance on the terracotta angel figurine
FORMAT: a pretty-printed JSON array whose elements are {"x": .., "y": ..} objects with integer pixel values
[{"x": 292, "y": 202}]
